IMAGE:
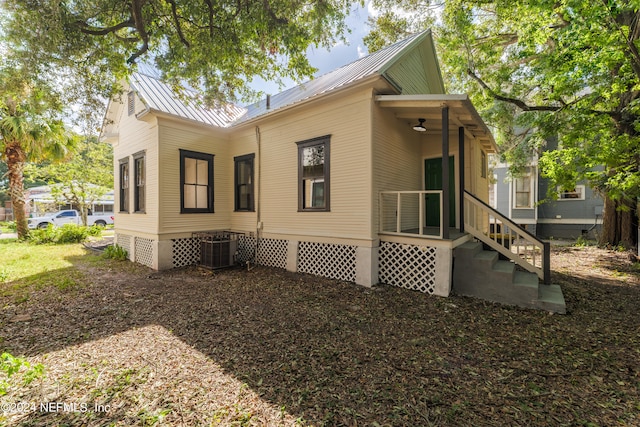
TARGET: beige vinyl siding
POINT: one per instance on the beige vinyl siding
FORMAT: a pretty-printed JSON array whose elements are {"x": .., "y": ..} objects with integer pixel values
[
  {"x": 482, "y": 184},
  {"x": 412, "y": 77},
  {"x": 396, "y": 159},
  {"x": 173, "y": 136},
  {"x": 245, "y": 142},
  {"x": 346, "y": 119},
  {"x": 139, "y": 135},
  {"x": 474, "y": 182}
]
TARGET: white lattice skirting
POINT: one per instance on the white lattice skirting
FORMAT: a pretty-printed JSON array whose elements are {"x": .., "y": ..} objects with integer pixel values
[
  {"x": 185, "y": 251},
  {"x": 144, "y": 251},
  {"x": 328, "y": 260},
  {"x": 246, "y": 249},
  {"x": 124, "y": 241},
  {"x": 272, "y": 252},
  {"x": 408, "y": 266}
]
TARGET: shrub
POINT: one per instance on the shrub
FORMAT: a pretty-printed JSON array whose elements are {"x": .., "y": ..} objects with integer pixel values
[
  {"x": 116, "y": 252},
  {"x": 581, "y": 242},
  {"x": 41, "y": 236},
  {"x": 11, "y": 366},
  {"x": 68, "y": 233},
  {"x": 9, "y": 225},
  {"x": 95, "y": 230}
]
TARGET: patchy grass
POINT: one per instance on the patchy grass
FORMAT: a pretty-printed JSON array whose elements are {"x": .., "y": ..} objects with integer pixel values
[
  {"x": 267, "y": 347},
  {"x": 7, "y": 227},
  {"x": 22, "y": 259},
  {"x": 29, "y": 268}
]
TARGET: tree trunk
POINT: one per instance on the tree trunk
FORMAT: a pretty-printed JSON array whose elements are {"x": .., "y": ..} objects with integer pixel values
[
  {"x": 628, "y": 232},
  {"x": 619, "y": 224},
  {"x": 609, "y": 222},
  {"x": 83, "y": 213},
  {"x": 15, "y": 159}
]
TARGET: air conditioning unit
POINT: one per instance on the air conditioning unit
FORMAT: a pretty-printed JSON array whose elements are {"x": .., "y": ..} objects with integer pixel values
[{"x": 218, "y": 248}]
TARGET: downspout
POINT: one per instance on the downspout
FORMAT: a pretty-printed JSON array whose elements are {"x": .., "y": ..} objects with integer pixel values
[{"x": 258, "y": 198}]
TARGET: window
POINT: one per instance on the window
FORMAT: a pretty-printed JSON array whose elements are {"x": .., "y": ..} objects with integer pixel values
[
  {"x": 131, "y": 102},
  {"x": 243, "y": 170},
  {"x": 196, "y": 182},
  {"x": 124, "y": 185},
  {"x": 313, "y": 174},
  {"x": 139, "y": 176},
  {"x": 493, "y": 193},
  {"x": 522, "y": 192},
  {"x": 576, "y": 193},
  {"x": 483, "y": 164}
]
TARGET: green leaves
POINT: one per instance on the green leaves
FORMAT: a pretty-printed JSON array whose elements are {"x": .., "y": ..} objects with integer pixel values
[
  {"x": 544, "y": 70},
  {"x": 215, "y": 45}
]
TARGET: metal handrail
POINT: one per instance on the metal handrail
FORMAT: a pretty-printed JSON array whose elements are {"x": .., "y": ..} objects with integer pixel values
[{"x": 478, "y": 218}]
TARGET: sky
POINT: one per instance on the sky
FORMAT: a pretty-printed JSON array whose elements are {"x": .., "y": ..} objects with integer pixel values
[{"x": 339, "y": 55}]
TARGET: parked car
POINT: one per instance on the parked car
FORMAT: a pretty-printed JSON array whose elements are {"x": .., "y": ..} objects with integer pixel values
[{"x": 69, "y": 216}]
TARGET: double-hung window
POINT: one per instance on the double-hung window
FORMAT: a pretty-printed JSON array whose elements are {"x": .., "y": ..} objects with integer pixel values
[
  {"x": 523, "y": 192},
  {"x": 243, "y": 181},
  {"x": 313, "y": 174},
  {"x": 139, "y": 177},
  {"x": 196, "y": 182},
  {"x": 124, "y": 185}
]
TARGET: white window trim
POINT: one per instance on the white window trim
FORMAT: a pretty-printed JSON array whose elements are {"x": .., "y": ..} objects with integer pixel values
[
  {"x": 532, "y": 188},
  {"x": 571, "y": 199}
]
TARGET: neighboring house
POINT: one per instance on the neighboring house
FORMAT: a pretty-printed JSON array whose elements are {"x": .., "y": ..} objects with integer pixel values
[
  {"x": 526, "y": 200},
  {"x": 40, "y": 200},
  {"x": 340, "y": 177}
]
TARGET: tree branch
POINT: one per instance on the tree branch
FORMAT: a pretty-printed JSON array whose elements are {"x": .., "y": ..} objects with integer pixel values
[
  {"x": 273, "y": 16},
  {"x": 615, "y": 115},
  {"x": 631, "y": 19},
  {"x": 517, "y": 102},
  {"x": 210, "y": 10},
  {"x": 176, "y": 21},
  {"x": 136, "y": 13},
  {"x": 88, "y": 29}
]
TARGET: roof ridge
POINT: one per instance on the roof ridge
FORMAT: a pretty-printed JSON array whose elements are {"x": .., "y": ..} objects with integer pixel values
[
  {"x": 162, "y": 96},
  {"x": 407, "y": 40}
]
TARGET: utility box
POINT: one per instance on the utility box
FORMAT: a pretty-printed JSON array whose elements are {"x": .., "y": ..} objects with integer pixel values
[{"x": 218, "y": 248}]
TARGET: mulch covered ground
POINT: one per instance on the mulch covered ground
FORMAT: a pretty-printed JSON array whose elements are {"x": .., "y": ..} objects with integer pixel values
[{"x": 267, "y": 347}]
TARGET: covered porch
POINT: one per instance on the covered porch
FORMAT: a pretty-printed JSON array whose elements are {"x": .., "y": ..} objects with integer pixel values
[
  {"x": 436, "y": 211},
  {"x": 420, "y": 218},
  {"x": 422, "y": 229}
]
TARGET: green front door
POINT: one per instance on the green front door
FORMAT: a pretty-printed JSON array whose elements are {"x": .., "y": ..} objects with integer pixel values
[{"x": 433, "y": 181}]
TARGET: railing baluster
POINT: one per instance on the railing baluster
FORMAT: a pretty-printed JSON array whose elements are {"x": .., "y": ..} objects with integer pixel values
[
  {"x": 522, "y": 239},
  {"x": 398, "y": 214},
  {"x": 421, "y": 213}
]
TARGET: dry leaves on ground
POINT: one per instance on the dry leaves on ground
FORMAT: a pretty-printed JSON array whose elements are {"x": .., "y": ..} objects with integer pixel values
[{"x": 268, "y": 347}]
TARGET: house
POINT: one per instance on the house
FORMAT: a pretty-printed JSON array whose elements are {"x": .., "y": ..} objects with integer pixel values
[
  {"x": 343, "y": 176},
  {"x": 572, "y": 213},
  {"x": 40, "y": 200}
]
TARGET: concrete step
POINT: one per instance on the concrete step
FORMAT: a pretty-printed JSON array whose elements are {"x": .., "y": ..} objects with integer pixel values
[
  {"x": 467, "y": 251},
  {"x": 505, "y": 268},
  {"x": 488, "y": 258},
  {"x": 550, "y": 298},
  {"x": 481, "y": 274}
]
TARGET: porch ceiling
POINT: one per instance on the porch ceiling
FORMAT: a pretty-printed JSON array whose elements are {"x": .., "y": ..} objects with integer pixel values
[{"x": 462, "y": 113}]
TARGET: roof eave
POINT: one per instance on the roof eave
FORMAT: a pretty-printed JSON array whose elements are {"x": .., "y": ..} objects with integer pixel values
[
  {"x": 164, "y": 115},
  {"x": 472, "y": 122}
]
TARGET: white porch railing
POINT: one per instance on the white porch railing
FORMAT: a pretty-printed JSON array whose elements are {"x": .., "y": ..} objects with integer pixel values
[
  {"x": 495, "y": 230},
  {"x": 403, "y": 213}
]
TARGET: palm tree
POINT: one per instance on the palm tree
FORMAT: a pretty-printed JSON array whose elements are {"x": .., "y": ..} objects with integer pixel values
[{"x": 29, "y": 132}]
